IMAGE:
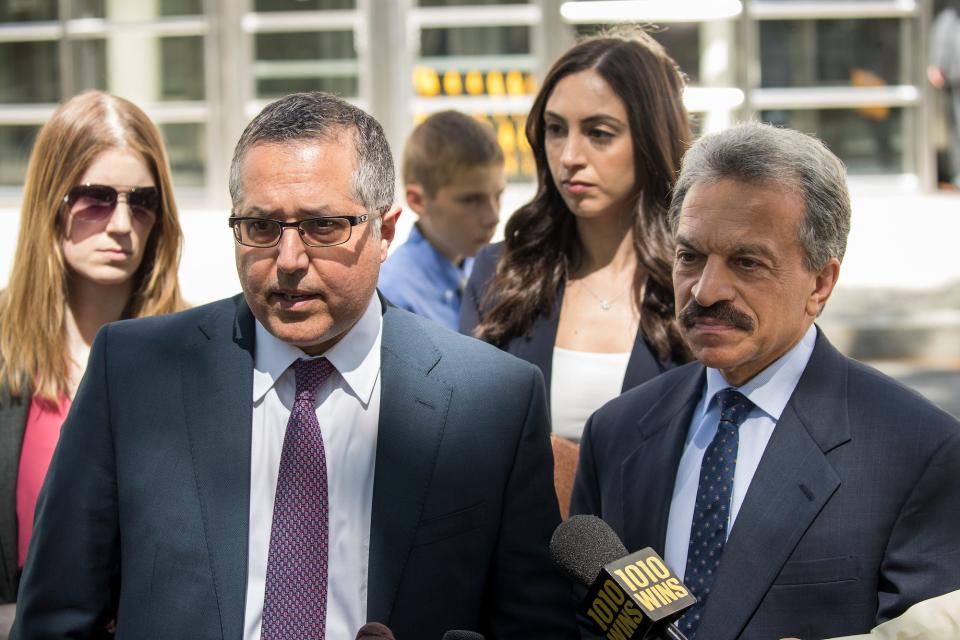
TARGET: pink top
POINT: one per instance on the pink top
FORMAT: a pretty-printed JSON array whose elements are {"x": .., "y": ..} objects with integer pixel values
[{"x": 39, "y": 440}]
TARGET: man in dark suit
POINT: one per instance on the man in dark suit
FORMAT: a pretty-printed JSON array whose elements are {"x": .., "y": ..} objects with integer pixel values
[
  {"x": 301, "y": 459},
  {"x": 798, "y": 492}
]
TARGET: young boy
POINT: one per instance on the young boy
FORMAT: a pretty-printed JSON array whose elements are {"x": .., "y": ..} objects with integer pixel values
[{"x": 453, "y": 178}]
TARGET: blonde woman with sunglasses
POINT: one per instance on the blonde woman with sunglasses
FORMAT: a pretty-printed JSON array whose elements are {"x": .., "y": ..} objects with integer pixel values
[{"x": 99, "y": 241}]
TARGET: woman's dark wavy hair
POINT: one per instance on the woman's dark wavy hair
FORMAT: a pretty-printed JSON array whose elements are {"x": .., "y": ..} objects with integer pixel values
[{"x": 541, "y": 244}]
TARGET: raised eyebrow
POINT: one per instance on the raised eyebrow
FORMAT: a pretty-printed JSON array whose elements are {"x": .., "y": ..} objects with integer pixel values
[
  {"x": 603, "y": 119},
  {"x": 555, "y": 116},
  {"x": 754, "y": 249},
  {"x": 687, "y": 243},
  {"x": 258, "y": 212},
  {"x": 276, "y": 214},
  {"x": 738, "y": 250}
]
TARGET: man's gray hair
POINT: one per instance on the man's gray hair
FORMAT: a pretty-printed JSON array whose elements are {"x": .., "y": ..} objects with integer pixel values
[
  {"x": 301, "y": 117},
  {"x": 786, "y": 159}
]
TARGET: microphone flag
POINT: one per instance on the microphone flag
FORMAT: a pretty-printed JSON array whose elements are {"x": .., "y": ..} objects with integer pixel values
[{"x": 634, "y": 594}]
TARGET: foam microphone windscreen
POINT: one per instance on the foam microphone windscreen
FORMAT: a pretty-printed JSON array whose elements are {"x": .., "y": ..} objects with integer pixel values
[
  {"x": 375, "y": 631},
  {"x": 582, "y": 545},
  {"x": 462, "y": 635}
]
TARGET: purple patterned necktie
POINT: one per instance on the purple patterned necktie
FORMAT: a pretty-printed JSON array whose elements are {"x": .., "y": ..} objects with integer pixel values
[{"x": 295, "y": 599}]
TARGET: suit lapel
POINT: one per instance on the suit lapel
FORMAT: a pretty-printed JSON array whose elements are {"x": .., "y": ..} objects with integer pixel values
[
  {"x": 217, "y": 373},
  {"x": 413, "y": 409},
  {"x": 13, "y": 419},
  {"x": 642, "y": 364},
  {"x": 791, "y": 485},
  {"x": 663, "y": 429},
  {"x": 537, "y": 348}
]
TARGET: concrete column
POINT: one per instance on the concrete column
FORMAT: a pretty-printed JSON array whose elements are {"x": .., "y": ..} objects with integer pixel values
[
  {"x": 717, "y": 67},
  {"x": 386, "y": 52},
  {"x": 135, "y": 77},
  {"x": 551, "y": 37}
]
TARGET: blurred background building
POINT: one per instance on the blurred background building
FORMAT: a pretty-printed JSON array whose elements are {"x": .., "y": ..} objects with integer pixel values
[{"x": 850, "y": 71}]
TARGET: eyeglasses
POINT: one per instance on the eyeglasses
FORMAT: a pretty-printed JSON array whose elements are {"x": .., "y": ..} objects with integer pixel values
[
  {"x": 327, "y": 231},
  {"x": 95, "y": 203}
]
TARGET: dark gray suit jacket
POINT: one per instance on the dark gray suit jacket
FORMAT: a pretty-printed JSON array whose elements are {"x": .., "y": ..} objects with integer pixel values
[
  {"x": 853, "y": 514},
  {"x": 13, "y": 419},
  {"x": 148, "y": 493}
]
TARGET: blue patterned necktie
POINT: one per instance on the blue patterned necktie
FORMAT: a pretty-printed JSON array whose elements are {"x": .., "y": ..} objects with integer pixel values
[
  {"x": 708, "y": 531},
  {"x": 295, "y": 598}
]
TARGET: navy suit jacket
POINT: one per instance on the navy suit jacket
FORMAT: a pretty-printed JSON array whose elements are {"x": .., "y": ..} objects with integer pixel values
[
  {"x": 853, "y": 514},
  {"x": 148, "y": 494},
  {"x": 537, "y": 347}
]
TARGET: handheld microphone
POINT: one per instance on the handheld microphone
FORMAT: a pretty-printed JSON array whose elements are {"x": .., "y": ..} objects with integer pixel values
[
  {"x": 462, "y": 635},
  {"x": 629, "y": 597},
  {"x": 375, "y": 631}
]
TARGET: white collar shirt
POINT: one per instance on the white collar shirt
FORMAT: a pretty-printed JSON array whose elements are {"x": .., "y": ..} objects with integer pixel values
[
  {"x": 348, "y": 411},
  {"x": 769, "y": 390}
]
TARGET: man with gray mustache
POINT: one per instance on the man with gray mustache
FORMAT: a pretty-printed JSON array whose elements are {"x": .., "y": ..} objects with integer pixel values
[{"x": 797, "y": 492}]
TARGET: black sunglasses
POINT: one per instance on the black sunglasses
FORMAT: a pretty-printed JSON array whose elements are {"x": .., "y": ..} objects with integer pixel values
[{"x": 96, "y": 202}]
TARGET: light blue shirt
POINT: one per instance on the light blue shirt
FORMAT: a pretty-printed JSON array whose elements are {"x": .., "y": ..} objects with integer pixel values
[
  {"x": 418, "y": 278},
  {"x": 769, "y": 390}
]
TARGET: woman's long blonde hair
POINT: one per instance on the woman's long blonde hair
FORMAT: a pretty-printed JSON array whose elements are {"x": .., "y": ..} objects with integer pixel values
[{"x": 34, "y": 358}]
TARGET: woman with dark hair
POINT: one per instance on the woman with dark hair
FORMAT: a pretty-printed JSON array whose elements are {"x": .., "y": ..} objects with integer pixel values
[{"x": 581, "y": 285}]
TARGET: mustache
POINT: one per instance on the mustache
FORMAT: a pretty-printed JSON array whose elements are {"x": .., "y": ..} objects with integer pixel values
[{"x": 721, "y": 311}]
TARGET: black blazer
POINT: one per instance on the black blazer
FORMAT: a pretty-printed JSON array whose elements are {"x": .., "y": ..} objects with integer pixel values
[
  {"x": 149, "y": 489},
  {"x": 13, "y": 419},
  {"x": 851, "y": 517},
  {"x": 537, "y": 348}
]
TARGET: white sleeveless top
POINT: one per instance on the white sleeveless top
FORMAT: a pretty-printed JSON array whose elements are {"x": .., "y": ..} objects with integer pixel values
[{"x": 580, "y": 383}]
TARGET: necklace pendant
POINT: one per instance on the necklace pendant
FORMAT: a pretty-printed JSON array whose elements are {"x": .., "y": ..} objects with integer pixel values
[{"x": 605, "y": 305}]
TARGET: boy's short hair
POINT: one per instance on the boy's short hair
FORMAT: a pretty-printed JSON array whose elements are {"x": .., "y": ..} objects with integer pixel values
[{"x": 445, "y": 143}]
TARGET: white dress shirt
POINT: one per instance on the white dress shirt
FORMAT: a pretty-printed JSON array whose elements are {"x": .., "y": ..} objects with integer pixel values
[
  {"x": 769, "y": 390},
  {"x": 348, "y": 411}
]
